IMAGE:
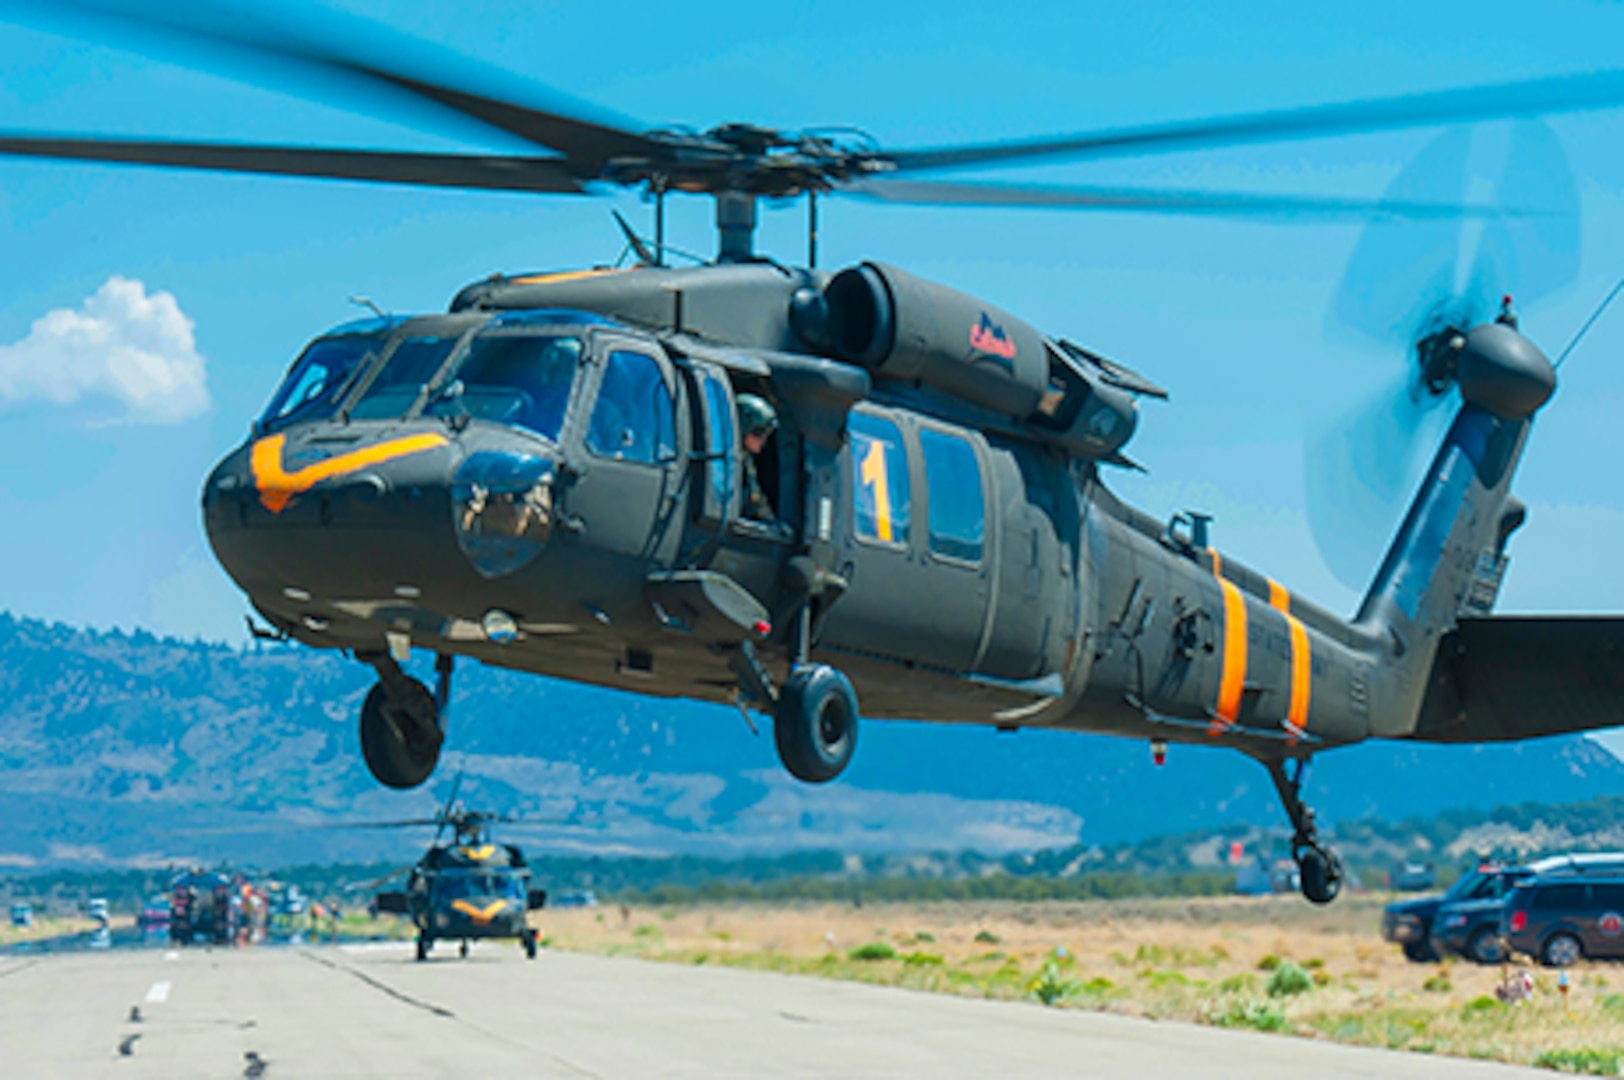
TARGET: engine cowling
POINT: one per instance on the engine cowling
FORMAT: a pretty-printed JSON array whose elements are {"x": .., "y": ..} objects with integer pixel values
[{"x": 901, "y": 327}]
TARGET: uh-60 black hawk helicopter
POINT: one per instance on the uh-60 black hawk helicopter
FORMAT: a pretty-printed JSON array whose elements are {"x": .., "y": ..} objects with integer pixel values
[
  {"x": 468, "y": 890},
  {"x": 549, "y": 475}
]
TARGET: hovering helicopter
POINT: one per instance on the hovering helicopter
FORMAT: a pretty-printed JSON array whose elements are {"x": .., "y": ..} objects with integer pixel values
[
  {"x": 469, "y": 889},
  {"x": 551, "y": 476}
]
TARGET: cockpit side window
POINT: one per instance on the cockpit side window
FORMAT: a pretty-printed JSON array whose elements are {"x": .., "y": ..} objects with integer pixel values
[
  {"x": 397, "y": 387},
  {"x": 634, "y": 418},
  {"x": 318, "y": 379},
  {"x": 511, "y": 379}
]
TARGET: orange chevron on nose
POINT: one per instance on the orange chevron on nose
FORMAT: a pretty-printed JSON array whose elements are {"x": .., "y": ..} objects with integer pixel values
[
  {"x": 277, "y": 487},
  {"x": 481, "y": 915}
]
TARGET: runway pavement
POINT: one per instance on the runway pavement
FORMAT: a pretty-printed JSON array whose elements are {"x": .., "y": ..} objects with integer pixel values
[{"x": 371, "y": 1011}]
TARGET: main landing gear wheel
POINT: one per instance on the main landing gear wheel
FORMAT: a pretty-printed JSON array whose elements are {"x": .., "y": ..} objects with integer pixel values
[
  {"x": 401, "y": 750},
  {"x": 462, "y": 950},
  {"x": 423, "y": 945},
  {"x": 815, "y": 724},
  {"x": 402, "y": 724},
  {"x": 1319, "y": 869}
]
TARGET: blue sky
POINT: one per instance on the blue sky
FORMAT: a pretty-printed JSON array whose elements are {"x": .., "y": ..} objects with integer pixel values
[{"x": 100, "y": 488}]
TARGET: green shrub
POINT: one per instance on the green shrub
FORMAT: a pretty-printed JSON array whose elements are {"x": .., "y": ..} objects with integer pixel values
[
  {"x": 646, "y": 932},
  {"x": 1288, "y": 980},
  {"x": 987, "y": 937},
  {"x": 1098, "y": 986},
  {"x": 1048, "y": 987},
  {"x": 1254, "y": 1014},
  {"x": 1482, "y": 1005},
  {"x": 1591, "y": 1060},
  {"x": 874, "y": 950},
  {"x": 1438, "y": 984},
  {"x": 1268, "y": 963},
  {"x": 925, "y": 936},
  {"x": 922, "y": 959},
  {"x": 1245, "y": 982}
]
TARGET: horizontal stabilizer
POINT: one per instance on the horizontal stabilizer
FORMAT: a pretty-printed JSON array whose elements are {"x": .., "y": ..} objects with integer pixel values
[{"x": 1504, "y": 678}]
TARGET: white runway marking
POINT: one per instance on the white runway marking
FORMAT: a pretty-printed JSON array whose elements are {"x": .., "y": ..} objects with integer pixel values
[
  {"x": 158, "y": 991},
  {"x": 171, "y": 955}
]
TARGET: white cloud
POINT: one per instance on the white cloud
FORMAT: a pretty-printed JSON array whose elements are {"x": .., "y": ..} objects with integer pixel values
[{"x": 123, "y": 344}]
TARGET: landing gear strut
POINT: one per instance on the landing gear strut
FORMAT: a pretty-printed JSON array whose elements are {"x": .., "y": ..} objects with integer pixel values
[
  {"x": 402, "y": 723},
  {"x": 1318, "y": 867}
]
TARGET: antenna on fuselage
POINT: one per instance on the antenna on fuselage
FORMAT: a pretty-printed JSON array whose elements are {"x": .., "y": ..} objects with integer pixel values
[{"x": 366, "y": 302}]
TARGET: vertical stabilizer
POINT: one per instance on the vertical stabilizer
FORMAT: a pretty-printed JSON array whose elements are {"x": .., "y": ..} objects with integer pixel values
[{"x": 1429, "y": 574}]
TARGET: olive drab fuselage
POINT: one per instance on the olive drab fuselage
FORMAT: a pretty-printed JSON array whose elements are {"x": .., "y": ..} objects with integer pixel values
[{"x": 959, "y": 563}]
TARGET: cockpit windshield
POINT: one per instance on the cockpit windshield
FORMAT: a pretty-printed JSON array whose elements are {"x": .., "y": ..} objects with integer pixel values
[
  {"x": 475, "y": 886},
  {"x": 318, "y": 379},
  {"x": 513, "y": 379},
  {"x": 410, "y": 367}
]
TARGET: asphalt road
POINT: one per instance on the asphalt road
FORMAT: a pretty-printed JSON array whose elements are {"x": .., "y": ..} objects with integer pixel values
[{"x": 371, "y": 1011}]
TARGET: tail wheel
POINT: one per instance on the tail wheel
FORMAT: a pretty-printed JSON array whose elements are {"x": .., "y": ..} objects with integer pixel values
[
  {"x": 400, "y": 739},
  {"x": 816, "y": 723},
  {"x": 1321, "y": 873},
  {"x": 1561, "y": 950}
]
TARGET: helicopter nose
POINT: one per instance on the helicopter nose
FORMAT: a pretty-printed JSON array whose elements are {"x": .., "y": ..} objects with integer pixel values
[{"x": 332, "y": 513}]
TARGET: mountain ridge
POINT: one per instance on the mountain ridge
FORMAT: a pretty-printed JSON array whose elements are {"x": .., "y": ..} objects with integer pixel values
[{"x": 125, "y": 747}]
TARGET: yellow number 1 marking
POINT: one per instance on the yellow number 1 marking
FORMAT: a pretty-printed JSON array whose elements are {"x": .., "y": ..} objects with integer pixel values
[{"x": 874, "y": 475}]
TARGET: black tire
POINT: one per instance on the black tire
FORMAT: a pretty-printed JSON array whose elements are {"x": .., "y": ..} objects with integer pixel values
[
  {"x": 462, "y": 949},
  {"x": 1419, "y": 952},
  {"x": 1321, "y": 873},
  {"x": 816, "y": 723},
  {"x": 1561, "y": 949},
  {"x": 530, "y": 944},
  {"x": 394, "y": 757},
  {"x": 1484, "y": 947},
  {"x": 423, "y": 946}
]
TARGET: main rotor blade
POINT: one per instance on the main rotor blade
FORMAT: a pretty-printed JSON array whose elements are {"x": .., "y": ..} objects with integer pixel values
[
  {"x": 1563, "y": 93},
  {"x": 482, "y": 172},
  {"x": 1152, "y": 200},
  {"x": 588, "y": 144}
]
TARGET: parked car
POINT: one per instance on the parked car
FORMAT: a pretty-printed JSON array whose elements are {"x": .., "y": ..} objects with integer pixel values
[
  {"x": 22, "y": 915},
  {"x": 1559, "y": 920},
  {"x": 1466, "y": 920},
  {"x": 1411, "y": 923},
  {"x": 1471, "y": 928}
]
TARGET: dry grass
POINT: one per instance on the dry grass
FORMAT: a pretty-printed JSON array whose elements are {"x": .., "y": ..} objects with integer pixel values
[{"x": 1204, "y": 961}]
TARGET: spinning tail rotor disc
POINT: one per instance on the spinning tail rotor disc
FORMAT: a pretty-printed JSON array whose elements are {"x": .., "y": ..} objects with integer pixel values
[{"x": 1405, "y": 293}]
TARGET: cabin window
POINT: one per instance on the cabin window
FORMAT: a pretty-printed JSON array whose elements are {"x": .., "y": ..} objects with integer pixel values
[
  {"x": 955, "y": 507},
  {"x": 719, "y": 444},
  {"x": 408, "y": 370},
  {"x": 634, "y": 419},
  {"x": 319, "y": 378},
  {"x": 879, "y": 462},
  {"x": 512, "y": 379}
]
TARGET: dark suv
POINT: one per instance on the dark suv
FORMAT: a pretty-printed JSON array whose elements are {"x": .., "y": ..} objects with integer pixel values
[
  {"x": 1415, "y": 924},
  {"x": 1559, "y": 920}
]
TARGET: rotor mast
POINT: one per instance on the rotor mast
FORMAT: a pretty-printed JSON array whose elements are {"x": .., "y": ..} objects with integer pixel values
[{"x": 735, "y": 226}]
